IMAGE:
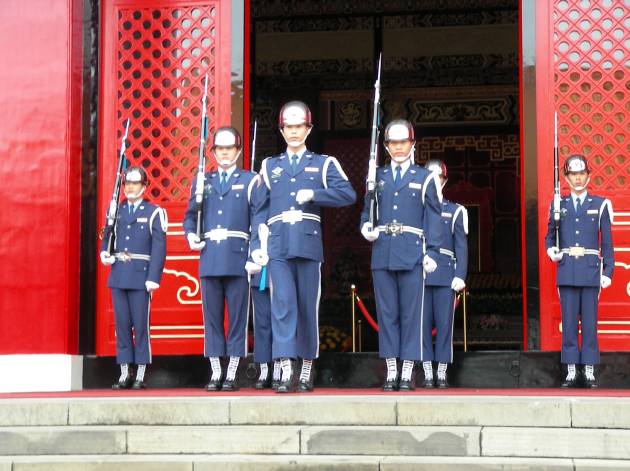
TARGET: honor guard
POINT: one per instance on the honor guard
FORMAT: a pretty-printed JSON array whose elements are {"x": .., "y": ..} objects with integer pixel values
[
  {"x": 442, "y": 284},
  {"x": 261, "y": 303},
  {"x": 406, "y": 243},
  {"x": 296, "y": 185},
  {"x": 584, "y": 254},
  {"x": 136, "y": 270},
  {"x": 224, "y": 247}
]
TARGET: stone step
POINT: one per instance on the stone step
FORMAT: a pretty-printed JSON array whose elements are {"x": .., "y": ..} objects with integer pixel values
[
  {"x": 294, "y": 462},
  {"x": 527, "y": 442},
  {"x": 395, "y": 409}
]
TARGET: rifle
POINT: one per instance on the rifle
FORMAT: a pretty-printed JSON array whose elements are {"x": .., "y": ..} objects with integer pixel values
[
  {"x": 112, "y": 212},
  {"x": 261, "y": 233},
  {"x": 556, "y": 181},
  {"x": 201, "y": 167},
  {"x": 371, "y": 177}
]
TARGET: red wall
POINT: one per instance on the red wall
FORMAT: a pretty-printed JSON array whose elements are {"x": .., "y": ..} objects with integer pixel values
[{"x": 40, "y": 84}]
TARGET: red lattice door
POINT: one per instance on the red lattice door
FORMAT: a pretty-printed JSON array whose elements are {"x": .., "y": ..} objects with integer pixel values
[
  {"x": 155, "y": 54},
  {"x": 588, "y": 78}
]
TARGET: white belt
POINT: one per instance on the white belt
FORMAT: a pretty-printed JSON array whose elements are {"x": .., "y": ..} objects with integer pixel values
[
  {"x": 448, "y": 252},
  {"x": 579, "y": 251},
  {"x": 292, "y": 216},
  {"x": 222, "y": 234},
  {"x": 127, "y": 257},
  {"x": 394, "y": 228}
]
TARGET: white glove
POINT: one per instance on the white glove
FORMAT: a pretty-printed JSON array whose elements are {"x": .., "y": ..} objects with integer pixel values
[
  {"x": 194, "y": 242},
  {"x": 304, "y": 196},
  {"x": 252, "y": 268},
  {"x": 151, "y": 286},
  {"x": 368, "y": 233},
  {"x": 458, "y": 284},
  {"x": 260, "y": 257},
  {"x": 554, "y": 254},
  {"x": 107, "y": 258},
  {"x": 429, "y": 264},
  {"x": 605, "y": 282}
]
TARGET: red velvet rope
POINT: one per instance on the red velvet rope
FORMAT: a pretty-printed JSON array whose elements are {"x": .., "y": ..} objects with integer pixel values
[{"x": 366, "y": 314}]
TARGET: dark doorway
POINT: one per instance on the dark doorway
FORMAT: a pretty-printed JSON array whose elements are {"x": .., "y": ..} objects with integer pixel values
[{"x": 451, "y": 68}]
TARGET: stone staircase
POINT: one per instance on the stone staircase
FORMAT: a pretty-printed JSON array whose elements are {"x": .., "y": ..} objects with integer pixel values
[{"x": 331, "y": 432}]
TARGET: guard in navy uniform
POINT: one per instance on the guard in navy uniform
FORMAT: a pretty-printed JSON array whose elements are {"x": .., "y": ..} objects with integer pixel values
[
  {"x": 585, "y": 261},
  {"x": 296, "y": 184},
  {"x": 137, "y": 264},
  {"x": 442, "y": 284},
  {"x": 406, "y": 244},
  {"x": 227, "y": 211}
]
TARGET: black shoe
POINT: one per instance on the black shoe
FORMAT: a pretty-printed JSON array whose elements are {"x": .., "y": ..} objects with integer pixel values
[
  {"x": 570, "y": 383},
  {"x": 427, "y": 383},
  {"x": 139, "y": 385},
  {"x": 406, "y": 385},
  {"x": 214, "y": 385},
  {"x": 229, "y": 385},
  {"x": 441, "y": 383},
  {"x": 126, "y": 384},
  {"x": 590, "y": 383},
  {"x": 390, "y": 385},
  {"x": 275, "y": 383},
  {"x": 263, "y": 383},
  {"x": 307, "y": 385},
  {"x": 286, "y": 386}
]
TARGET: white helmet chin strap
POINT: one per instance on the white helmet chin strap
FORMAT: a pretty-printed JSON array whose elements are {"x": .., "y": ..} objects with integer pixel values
[
  {"x": 301, "y": 143},
  {"x": 402, "y": 160},
  {"x": 578, "y": 188},
  {"x": 134, "y": 196},
  {"x": 227, "y": 162}
]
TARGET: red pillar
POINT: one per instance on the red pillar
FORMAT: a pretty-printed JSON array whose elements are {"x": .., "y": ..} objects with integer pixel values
[{"x": 40, "y": 99}]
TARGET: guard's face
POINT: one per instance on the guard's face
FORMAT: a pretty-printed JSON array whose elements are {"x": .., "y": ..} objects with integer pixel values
[
  {"x": 133, "y": 190},
  {"x": 226, "y": 156},
  {"x": 577, "y": 180},
  {"x": 295, "y": 134},
  {"x": 400, "y": 150}
]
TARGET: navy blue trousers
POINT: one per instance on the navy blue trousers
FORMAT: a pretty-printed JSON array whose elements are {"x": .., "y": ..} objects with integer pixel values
[
  {"x": 261, "y": 302},
  {"x": 399, "y": 297},
  {"x": 579, "y": 302},
  {"x": 295, "y": 294},
  {"x": 215, "y": 290},
  {"x": 439, "y": 309},
  {"x": 132, "y": 308}
]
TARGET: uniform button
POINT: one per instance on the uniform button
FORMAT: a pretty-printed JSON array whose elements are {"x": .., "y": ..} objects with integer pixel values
[
  {"x": 292, "y": 193},
  {"x": 577, "y": 219},
  {"x": 395, "y": 207},
  {"x": 127, "y": 238},
  {"x": 292, "y": 208},
  {"x": 314, "y": 232},
  {"x": 576, "y": 244},
  {"x": 221, "y": 198},
  {"x": 128, "y": 227},
  {"x": 577, "y": 232},
  {"x": 396, "y": 194},
  {"x": 220, "y": 212},
  {"x": 394, "y": 220},
  {"x": 237, "y": 195},
  {"x": 126, "y": 249},
  {"x": 219, "y": 226},
  {"x": 293, "y": 179}
]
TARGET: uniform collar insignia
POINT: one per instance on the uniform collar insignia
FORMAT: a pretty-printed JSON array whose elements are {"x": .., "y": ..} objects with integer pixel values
[
  {"x": 141, "y": 207},
  {"x": 276, "y": 172},
  {"x": 589, "y": 199},
  {"x": 412, "y": 171},
  {"x": 386, "y": 170}
]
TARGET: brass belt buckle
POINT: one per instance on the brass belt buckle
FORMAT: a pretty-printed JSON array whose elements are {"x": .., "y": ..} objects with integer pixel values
[
  {"x": 125, "y": 257},
  {"x": 576, "y": 251}
]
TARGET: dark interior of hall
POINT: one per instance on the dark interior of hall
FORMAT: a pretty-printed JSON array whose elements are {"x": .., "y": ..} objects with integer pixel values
[{"x": 451, "y": 68}]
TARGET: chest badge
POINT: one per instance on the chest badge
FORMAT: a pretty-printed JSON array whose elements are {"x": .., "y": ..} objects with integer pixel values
[{"x": 276, "y": 173}]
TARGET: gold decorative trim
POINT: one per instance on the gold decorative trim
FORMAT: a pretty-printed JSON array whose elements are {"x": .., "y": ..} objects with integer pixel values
[
  {"x": 174, "y": 336},
  {"x": 177, "y": 327},
  {"x": 186, "y": 291}
]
